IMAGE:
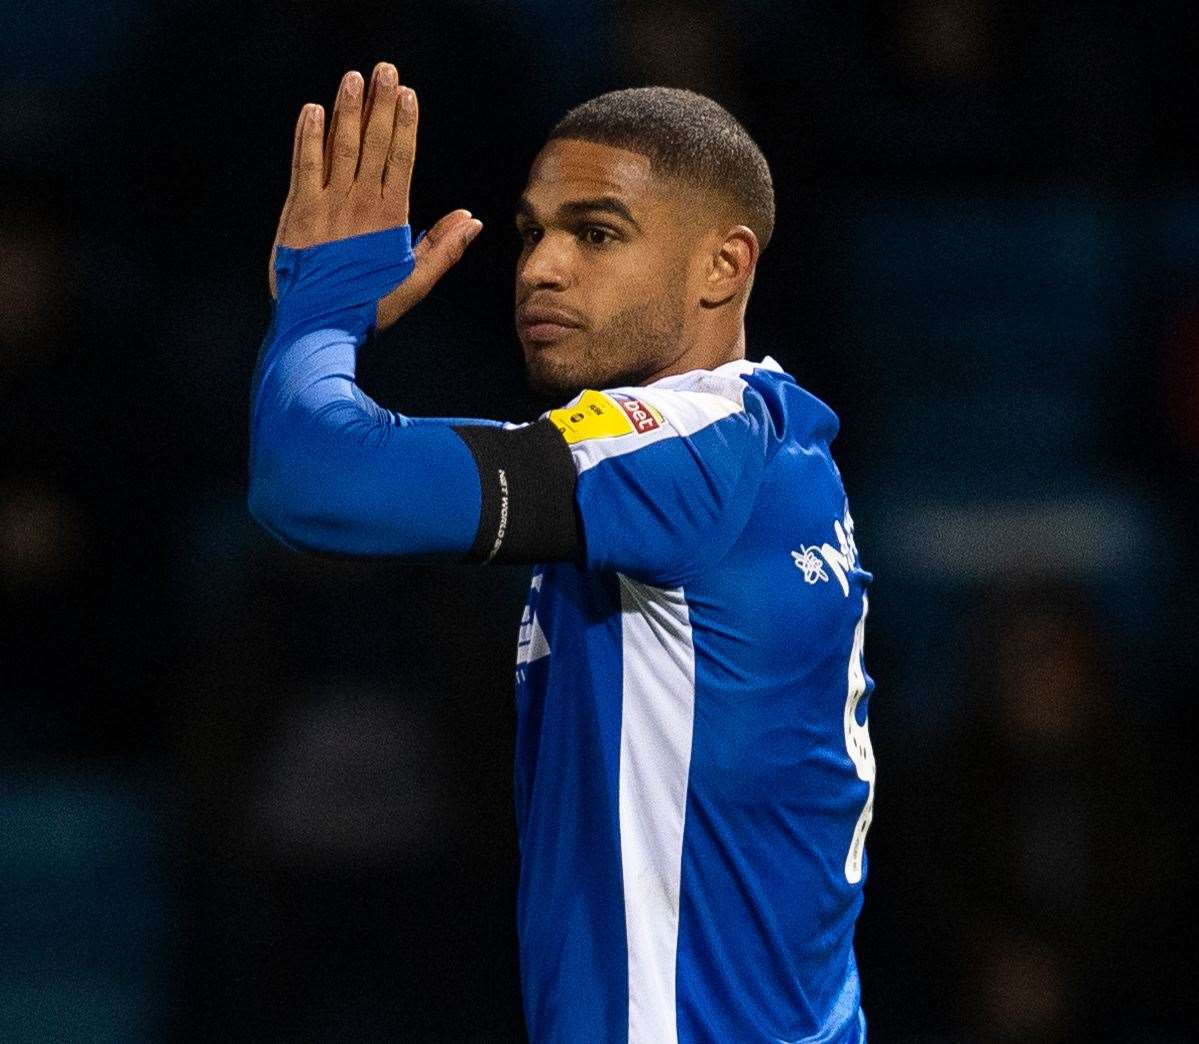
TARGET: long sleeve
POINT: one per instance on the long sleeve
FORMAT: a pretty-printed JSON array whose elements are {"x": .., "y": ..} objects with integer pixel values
[{"x": 331, "y": 470}]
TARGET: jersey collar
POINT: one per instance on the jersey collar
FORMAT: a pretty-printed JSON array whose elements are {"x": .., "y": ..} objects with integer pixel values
[{"x": 734, "y": 368}]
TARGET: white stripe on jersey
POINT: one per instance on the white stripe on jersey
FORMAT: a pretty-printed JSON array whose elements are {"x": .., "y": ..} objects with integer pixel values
[
  {"x": 685, "y": 412},
  {"x": 657, "y": 714},
  {"x": 688, "y": 401}
]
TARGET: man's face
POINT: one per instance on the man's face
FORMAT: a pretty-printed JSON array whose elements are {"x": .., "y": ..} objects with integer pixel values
[{"x": 602, "y": 279}]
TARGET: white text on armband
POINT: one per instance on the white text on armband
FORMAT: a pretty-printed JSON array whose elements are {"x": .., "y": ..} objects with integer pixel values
[{"x": 499, "y": 534}]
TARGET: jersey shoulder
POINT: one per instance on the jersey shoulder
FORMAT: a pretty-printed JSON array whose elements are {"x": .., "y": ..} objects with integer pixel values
[
  {"x": 669, "y": 473},
  {"x": 745, "y": 396}
]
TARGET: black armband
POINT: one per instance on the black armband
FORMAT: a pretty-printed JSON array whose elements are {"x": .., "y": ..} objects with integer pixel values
[{"x": 528, "y": 477}]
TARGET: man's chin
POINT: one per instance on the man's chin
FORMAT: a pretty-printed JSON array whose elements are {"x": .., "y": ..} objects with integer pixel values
[
  {"x": 549, "y": 377},
  {"x": 552, "y": 386}
]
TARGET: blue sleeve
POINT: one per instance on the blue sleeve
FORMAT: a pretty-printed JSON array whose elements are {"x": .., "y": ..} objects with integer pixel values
[
  {"x": 331, "y": 470},
  {"x": 666, "y": 479}
]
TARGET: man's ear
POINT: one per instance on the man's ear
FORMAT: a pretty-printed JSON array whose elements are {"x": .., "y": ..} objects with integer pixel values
[{"x": 730, "y": 266}]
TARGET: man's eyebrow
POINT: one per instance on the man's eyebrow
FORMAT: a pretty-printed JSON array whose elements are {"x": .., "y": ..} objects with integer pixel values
[{"x": 577, "y": 207}]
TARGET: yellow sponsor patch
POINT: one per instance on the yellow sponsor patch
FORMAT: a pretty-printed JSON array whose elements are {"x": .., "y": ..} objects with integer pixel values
[{"x": 594, "y": 416}]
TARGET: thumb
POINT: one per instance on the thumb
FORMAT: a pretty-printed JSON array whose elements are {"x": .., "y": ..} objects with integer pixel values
[
  {"x": 438, "y": 251},
  {"x": 440, "y": 248}
]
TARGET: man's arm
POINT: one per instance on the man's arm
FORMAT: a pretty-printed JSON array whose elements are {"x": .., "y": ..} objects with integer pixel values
[{"x": 332, "y": 471}]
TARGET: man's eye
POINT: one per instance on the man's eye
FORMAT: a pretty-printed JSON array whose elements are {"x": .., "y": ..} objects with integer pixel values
[
  {"x": 529, "y": 235},
  {"x": 597, "y": 235}
]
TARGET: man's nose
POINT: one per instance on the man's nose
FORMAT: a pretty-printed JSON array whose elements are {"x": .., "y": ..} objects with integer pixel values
[{"x": 547, "y": 264}]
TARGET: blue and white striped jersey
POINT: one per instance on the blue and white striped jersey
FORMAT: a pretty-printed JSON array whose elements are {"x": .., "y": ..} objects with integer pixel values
[{"x": 694, "y": 775}]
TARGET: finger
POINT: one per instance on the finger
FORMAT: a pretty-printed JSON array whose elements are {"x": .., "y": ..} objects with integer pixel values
[
  {"x": 397, "y": 178},
  {"x": 372, "y": 90},
  {"x": 444, "y": 251},
  {"x": 306, "y": 174},
  {"x": 444, "y": 227},
  {"x": 334, "y": 119},
  {"x": 294, "y": 183},
  {"x": 341, "y": 152},
  {"x": 306, "y": 160},
  {"x": 372, "y": 84},
  {"x": 376, "y": 137},
  {"x": 447, "y": 241}
]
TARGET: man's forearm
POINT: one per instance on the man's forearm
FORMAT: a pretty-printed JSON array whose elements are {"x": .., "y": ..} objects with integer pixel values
[{"x": 331, "y": 470}]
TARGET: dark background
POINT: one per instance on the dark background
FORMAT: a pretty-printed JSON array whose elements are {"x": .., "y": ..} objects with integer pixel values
[{"x": 245, "y": 794}]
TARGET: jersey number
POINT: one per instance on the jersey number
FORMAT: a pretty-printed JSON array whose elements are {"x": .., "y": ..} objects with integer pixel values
[{"x": 857, "y": 745}]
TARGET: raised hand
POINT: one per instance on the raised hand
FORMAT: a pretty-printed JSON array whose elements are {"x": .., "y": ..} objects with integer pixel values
[{"x": 357, "y": 179}]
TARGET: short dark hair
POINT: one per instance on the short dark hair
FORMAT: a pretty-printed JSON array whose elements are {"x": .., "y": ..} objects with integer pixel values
[{"x": 687, "y": 136}]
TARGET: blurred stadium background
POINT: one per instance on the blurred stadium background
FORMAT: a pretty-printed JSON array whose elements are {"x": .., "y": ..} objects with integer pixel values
[{"x": 248, "y": 795}]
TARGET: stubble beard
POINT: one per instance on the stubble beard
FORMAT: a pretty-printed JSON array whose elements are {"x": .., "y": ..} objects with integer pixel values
[{"x": 632, "y": 345}]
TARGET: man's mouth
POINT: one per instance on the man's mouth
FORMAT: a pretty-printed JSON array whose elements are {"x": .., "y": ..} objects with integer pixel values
[{"x": 546, "y": 333}]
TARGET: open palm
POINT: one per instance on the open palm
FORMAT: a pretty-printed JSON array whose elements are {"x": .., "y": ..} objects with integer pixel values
[{"x": 356, "y": 180}]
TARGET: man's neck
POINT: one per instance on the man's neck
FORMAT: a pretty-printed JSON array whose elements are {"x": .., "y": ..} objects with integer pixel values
[{"x": 703, "y": 356}]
